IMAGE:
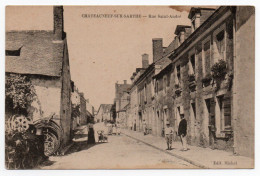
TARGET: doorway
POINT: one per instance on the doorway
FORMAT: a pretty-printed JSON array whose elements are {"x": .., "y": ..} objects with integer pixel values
[{"x": 210, "y": 105}]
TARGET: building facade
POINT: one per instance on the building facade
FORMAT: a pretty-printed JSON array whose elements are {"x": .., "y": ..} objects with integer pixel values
[
  {"x": 200, "y": 75},
  {"x": 42, "y": 56},
  {"x": 122, "y": 99},
  {"x": 104, "y": 113}
]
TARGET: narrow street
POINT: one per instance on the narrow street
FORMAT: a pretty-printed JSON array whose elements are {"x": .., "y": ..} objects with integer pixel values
[{"x": 120, "y": 152}]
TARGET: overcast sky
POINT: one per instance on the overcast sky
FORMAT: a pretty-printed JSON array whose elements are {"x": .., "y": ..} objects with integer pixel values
[{"x": 102, "y": 51}]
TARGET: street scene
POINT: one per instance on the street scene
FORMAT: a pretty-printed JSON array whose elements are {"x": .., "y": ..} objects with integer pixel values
[
  {"x": 104, "y": 156},
  {"x": 129, "y": 87}
]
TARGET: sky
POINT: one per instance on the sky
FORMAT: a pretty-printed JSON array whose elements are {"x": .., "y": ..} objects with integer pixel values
[{"x": 103, "y": 51}]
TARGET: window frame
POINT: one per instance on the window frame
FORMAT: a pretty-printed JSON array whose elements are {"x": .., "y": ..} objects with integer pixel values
[
  {"x": 190, "y": 54},
  {"x": 207, "y": 39},
  {"x": 215, "y": 33}
]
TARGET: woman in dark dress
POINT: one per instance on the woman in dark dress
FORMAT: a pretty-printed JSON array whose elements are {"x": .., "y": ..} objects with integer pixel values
[{"x": 91, "y": 134}]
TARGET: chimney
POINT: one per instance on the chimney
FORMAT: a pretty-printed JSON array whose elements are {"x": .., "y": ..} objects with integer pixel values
[
  {"x": 125, "y": 81},
  {"x": 181, "y": 31},
  {"x": 182, "y": 36},
  {"x": 199, "y": 15},
  {"x": 145, "y": 61},
  {"x": 157, "y": 49},
  {"x": 58, "y": 23}
]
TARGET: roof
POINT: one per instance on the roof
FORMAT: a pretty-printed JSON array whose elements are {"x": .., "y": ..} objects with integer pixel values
[
  {"x": 201, "y": 29},
  {"x": 165, "y": 70},
  {"x": 194, "y": 10},
  {"x": 180, "y": 28},
  {"x": 106, "y": 107},
  {"x": 36, "y": 55},
  {"x": 121, "y": 88}
]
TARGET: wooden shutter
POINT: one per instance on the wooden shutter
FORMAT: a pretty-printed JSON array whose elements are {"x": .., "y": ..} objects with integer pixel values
[
  {"x": 207, "y": 57},
  {"x": 212, "y": 111},
  {"x": 227, "y": 110}
]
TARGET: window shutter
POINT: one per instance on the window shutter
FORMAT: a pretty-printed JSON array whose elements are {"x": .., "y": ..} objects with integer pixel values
[
  {"x": 212, "y": 107},
  {"x": 227, "y": 110},
  {"x": 207, "y": 57}
]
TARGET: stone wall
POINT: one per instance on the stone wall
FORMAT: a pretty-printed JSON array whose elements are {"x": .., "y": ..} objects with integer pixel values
[
  {"x": 47, "y": 101},
  {"x": 244, "y": 81},
  {"x": 66, "y": 98}
]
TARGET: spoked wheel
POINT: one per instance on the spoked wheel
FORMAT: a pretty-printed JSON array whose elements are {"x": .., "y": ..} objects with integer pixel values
[
  {"x": 51, "y": 142},
  {"x": 19, "y": 123}
]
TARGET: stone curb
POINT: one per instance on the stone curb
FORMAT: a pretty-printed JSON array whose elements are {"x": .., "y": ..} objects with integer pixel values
[{"x": 172, "y": 154}]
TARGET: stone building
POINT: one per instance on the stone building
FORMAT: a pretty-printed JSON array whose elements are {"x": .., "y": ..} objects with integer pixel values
[
  {"x": 133, "y": 111},
  {"x": 122, "y": 98},
  {"x": 243, "y": 117},
  {"x": 104, "y": 113},
  {"x": 43, "y": 57},
  {"x": 90, "y": 107},
  {"x": 141, "y": 106},
  {"x": 75, "y": 103},
  {"x": 207, "y": 74},
  {"x": 203, "y": 78}
]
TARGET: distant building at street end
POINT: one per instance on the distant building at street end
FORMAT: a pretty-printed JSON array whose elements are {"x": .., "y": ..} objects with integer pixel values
[
  {"x": 104, "y": 113},
  {"x": 122, "y": 98}
]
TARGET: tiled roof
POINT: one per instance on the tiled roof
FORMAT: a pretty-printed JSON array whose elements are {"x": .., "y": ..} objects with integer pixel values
[
  {"x": 121, "y": 88},
  {"x": 36, "y": 55},
  {"x": 163, "y": 62},
  {"x": 173, "y": 45}
]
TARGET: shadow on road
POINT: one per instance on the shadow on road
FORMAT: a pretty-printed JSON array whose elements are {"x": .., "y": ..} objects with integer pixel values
[{"x": 80, "y": 146}]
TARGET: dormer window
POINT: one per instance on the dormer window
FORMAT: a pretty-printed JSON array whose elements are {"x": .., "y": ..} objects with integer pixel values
[{"x": 13, "y": 52}]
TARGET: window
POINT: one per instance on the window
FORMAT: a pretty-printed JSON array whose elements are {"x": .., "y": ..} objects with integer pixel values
[
  {"x": 157, "y": 87},
  {"x": 164, "y": 83},
  {"x": 152, "y": 87},
  {"x": 179, "y": 73},
  {"x": 192, "y": 65},
  {"x": 193, "y": 107},
  {"x": 168, "y": 80},
  {"x": 219, "y": 44},
  {"x": 145, "y": 93},
  {"x": 220, "y": 112},
  {"x": 192, "y": 60},
  {"x": 13, "y": 52},
  {"x": 224, "y": 109},
  {"x": 206, "y": 58}
]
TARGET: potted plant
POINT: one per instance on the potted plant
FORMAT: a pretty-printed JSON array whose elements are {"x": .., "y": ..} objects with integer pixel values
[
  {"x": 206, "y": 80},
  {"x": 191, "y": 77},
  {"x": 219, "y": 71}
]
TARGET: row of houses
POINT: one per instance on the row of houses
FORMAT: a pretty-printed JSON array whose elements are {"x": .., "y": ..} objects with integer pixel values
[
  {"x": 37, "y": 66},
  {"x": 82, "y": 110},
  {"x": 207, "y": 74}
]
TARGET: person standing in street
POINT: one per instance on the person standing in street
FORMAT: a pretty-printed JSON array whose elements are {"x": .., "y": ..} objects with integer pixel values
[
  {"x": 91, "y": 134},
  {"x": 144, "y": 127},
  {"x": 182, "y": 132},
  {"x": 168, "y": 136}
]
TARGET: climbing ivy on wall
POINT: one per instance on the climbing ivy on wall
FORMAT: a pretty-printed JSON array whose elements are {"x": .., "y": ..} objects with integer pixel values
[{"x": 19, "y": 93}]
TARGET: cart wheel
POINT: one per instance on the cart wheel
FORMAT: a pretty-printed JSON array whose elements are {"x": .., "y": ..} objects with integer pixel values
[
  {"x": 50, "y": 142},
  {"x": 19, "y": 123}
]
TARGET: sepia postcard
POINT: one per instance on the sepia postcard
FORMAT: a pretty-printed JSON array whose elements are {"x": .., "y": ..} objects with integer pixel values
[{"x": 129, "y": 87}]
